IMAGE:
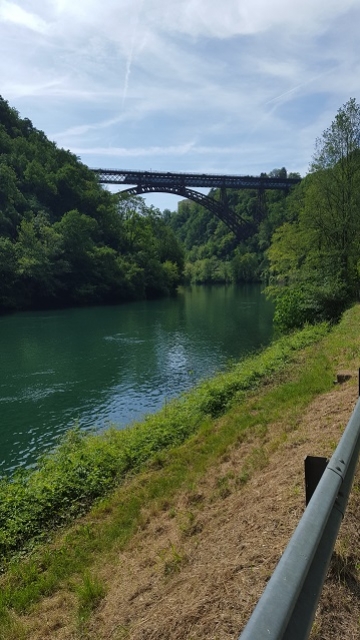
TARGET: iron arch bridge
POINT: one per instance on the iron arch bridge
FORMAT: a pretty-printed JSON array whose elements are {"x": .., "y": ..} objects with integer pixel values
[{"x": 180, "y": 184}]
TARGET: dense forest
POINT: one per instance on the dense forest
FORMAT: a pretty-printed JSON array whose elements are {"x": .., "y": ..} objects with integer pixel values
[
  {"x": 212, "y": 252},
  {"x": 64, "y": 240}
]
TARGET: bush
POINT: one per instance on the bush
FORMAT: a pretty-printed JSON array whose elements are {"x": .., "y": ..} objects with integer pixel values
[{"x": 311, "y": 303}]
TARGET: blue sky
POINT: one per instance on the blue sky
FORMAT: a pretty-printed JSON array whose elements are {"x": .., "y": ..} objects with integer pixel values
[{"x": 238, "y": 86}]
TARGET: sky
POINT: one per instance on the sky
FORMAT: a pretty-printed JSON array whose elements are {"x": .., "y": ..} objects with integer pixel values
[{"x": 233, "y": 87}]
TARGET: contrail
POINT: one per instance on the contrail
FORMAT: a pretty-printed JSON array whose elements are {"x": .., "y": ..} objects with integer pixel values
[
  {"x": 303, "y": 84},
  {"x": 130, "y": 56},
  {"x": 275, "y": 101}
]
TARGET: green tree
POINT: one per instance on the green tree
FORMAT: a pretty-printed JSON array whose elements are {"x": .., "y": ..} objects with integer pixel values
[
  {"x": 8, "y": 274},
  {"x": 66, "y": 240},
  {"x": 314, "y": 258},
  {"x": 244, "y": 267},
  {"x": 12, "y": 200},
  {"x": 40, "y": 263},
  {"x": 333, "y": 200}
]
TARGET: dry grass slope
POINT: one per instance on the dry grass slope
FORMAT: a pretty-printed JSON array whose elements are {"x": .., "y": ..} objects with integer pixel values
[{"x": 196, "y": 570}]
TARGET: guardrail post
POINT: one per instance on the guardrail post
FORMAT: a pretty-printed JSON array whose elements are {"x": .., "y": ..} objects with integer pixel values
[{"x": 314, "y": 468}]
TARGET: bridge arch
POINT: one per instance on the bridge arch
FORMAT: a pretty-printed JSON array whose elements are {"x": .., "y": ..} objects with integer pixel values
[
  {"x": 180, "y": 183},
  {"x": 240, "y": 227}
]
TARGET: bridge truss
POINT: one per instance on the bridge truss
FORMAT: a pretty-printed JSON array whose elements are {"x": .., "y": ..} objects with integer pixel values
[{"x": 180, "y": 183}]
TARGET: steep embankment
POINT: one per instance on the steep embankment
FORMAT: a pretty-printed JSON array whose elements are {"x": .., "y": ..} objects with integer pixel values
[
  {"x": 198, "y": 571},
  {"x": 209, "y": 521}
]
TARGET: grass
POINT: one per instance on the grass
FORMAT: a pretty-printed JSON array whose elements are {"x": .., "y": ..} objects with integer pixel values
[
  {"x": 173, "y": 560},
  {"x": 149, "y": 464},
  {"x": 90, "y": 592},
  {"x": 11, "y": 628}
]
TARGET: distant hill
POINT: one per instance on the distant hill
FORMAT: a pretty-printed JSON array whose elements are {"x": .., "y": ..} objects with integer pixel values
[{"x": 64, "y": 240}]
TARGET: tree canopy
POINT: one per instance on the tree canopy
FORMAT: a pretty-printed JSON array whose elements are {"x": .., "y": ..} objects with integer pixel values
[
  {"x": 64, "y": 240},
  {"x": 212, "y": 253},
  {"x": 314, "y": 258}
]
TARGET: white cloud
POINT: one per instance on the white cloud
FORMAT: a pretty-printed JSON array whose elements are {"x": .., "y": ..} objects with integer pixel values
[
  {"x": 187, "y": 83},
  {"x": 137, "y": 151},
  {"x": 207, "y": 17},
  {"x": 11, "y": 12}
]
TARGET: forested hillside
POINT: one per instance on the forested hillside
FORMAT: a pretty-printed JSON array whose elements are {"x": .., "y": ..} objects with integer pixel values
[
  {"x": 64, "y": 240},
  {"x": 213, "y": 254},
  {"x": 314, "y": 258}
]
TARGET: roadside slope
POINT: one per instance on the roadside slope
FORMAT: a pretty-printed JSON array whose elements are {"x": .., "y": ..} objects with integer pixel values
[
  {"x": 196, "y": 570},
  {"x": 199, "y": 574},
  {"x": 201, "y": 557}
]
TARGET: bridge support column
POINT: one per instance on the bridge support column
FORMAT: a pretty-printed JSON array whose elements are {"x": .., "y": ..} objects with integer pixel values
[
  {"x": 260, "y": 205},
  {"x": 223, "y": 197}
]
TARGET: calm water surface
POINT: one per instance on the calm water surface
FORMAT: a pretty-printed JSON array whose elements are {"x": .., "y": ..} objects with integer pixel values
[{"x": 103, "y": 365}]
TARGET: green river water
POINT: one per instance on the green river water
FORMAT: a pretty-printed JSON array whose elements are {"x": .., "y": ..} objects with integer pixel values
[{"x": 112, "y": 365}]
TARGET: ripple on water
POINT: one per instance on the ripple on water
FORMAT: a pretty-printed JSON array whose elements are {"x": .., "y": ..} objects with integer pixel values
[
  {"x": 35, "y": 394},
  {"x": 45, "y": 372},
  {"x": 124, "y": 339}
]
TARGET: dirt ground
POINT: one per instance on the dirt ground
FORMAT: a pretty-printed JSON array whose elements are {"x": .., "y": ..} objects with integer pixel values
[{"x": 196, "y": 571}]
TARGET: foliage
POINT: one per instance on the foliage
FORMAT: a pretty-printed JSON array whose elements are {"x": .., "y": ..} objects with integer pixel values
[
  {"x": 314, "y": 256},
  {"x": 335, "y": 192},
  {"x": 66, "y": 241},
  {"x": 90, "y": 592},
  {"x": 212, "y": 253}
]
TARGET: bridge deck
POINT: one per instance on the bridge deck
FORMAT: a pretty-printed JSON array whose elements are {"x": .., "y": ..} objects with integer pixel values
[{"x": 167, "y": 179}]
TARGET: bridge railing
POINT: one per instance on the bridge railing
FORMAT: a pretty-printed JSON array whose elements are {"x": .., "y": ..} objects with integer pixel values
[
  {"x": 287, "y": 607},
  {"x": 166, "y": 178}
]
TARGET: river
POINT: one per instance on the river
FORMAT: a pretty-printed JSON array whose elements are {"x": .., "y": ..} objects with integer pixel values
[{"x": 98, "y": 366}]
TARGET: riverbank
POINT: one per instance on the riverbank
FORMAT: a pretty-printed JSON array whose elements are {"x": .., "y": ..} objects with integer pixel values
[
  {"x": 103, "y": 365},
  {"x": 182, "y": 548}
]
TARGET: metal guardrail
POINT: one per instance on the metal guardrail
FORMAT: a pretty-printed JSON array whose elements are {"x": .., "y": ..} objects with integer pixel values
[{"x": 287, "y": 607}]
